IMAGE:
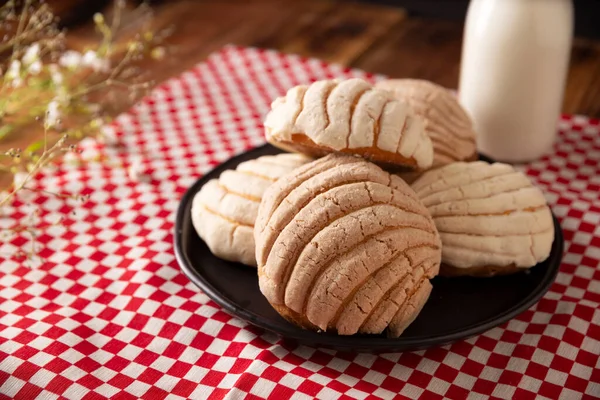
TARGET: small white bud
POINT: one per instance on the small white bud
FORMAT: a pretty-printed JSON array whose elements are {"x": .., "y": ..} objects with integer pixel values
[
  {"x": 70, "y": 59},
  {"x": 98, "y": 18},
  {"x": 35, "y": 68},
  {"x": 32, "y": 54},
  {"x": 52, "y": 115},
  {"x": 19, "y": 178},
  {"x": 13, "y": 74},
  {"x": 90, "y": 59},
  {"x": 56, "y": 75}
]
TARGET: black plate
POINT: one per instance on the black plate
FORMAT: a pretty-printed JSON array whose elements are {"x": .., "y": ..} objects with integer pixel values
[{"x": 458, "y": 308}]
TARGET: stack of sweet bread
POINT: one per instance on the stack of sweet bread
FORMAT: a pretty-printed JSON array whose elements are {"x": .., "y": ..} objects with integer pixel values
[{"x": 380, "y": 193}]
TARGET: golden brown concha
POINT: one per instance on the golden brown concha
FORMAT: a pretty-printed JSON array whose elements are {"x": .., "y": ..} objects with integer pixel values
[
  {"x": 343, "y": 246},
  {"x": 491, "y": 219},
  {"x": 224, "y": 210},
  {"x": 446, "y": 122},
  {"x": 349, "y": 117}
]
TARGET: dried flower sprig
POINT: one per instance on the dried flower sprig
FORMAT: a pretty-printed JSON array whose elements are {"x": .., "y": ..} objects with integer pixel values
[{"x": 62, "y": 93}]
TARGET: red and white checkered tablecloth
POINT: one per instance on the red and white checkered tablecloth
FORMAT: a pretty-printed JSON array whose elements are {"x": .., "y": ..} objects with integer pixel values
[{"x": 109, "y": 314}]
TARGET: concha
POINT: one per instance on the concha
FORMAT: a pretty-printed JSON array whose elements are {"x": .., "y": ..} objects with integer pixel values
[
  {"x": 350, "y": 117},
  {"x": 224, "y": 210},
  {"x": 490, "y": 217},
  {"x": 446, "y": 121},
  {"x": 344, "y": 246}
]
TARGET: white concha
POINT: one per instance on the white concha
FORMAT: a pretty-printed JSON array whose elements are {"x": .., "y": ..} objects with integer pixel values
[
  {"x": 225, "y": 209},
  {"x": 346, "y": 247},
  {"x": 352, "y": 117},
  {"x": 490, "y": 217},
  {"x": 446, "y": 122}
]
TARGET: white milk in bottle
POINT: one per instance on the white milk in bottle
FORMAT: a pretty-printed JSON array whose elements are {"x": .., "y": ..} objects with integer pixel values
[{"x": 514, "y": 64}]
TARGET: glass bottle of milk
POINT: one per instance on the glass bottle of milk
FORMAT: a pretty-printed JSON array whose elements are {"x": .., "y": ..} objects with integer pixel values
[{"x": 514, "y": 65}]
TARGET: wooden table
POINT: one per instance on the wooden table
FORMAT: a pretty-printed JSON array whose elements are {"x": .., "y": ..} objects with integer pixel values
[{"x": 376, "y": 38}]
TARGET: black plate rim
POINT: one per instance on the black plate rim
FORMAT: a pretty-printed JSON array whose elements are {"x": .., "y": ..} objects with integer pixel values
[{"x": 349, "y": 343}]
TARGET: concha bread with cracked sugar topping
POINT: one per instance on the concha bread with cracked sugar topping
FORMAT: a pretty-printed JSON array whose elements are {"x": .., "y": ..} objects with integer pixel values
[
  {"x": 352, "y": 117},
  {"x": 344, "y": 246},
  {"x": 224, "y": 210},
  {"x": 490, "y": 217},
  {"x": 446, "y": 121}
]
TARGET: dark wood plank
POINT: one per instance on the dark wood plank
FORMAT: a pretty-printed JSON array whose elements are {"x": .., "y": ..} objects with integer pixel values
[
  {"x": 200, "y": 28},
  {"x": 590, "y": 104},
  {"x": 582, "y": 94},
  {"x": 288, "y": 24},
  {"x": 345, "y": 33},
  {"x": 417, "y": 48}
]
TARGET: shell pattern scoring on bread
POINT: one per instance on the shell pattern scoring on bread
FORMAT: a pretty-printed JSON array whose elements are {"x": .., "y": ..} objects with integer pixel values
[
  {"x": 349, "y": 116},
  {"x": 224, "y": 210},
  {"x": 344, "y": 246},
  {"x": 490, "y": 218},
  {"x": 446, "y": 121}
]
